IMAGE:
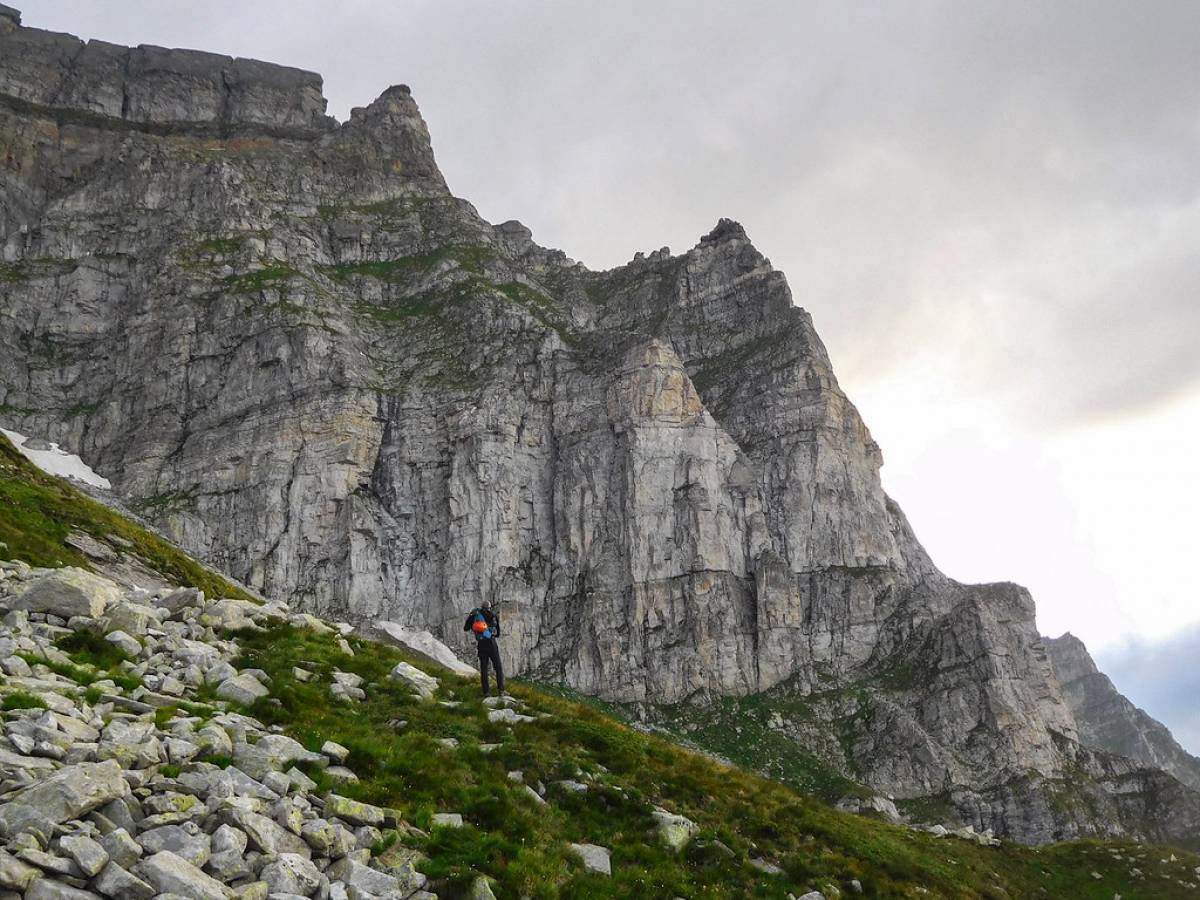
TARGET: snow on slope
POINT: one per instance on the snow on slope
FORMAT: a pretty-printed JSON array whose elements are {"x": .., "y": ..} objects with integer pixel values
[{"x": 57, "y": 462}]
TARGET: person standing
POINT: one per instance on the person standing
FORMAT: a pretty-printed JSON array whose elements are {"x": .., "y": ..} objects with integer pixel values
[{"x": 484, "y": 623}]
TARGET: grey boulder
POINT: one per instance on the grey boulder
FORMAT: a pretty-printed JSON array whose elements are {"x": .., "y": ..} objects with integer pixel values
[
  {"x": 48, "y": 889},
  {"x": 66, "y": 592},
  {"x": 186, "y": 841},
  {"x": 291, "y": 874},
  {"x": 170, "y": 874},
  {"x": 120, "y": 884},
  {"x": 69, "y": 793},
  {"x": 243, "y": 689},
  {"x": 594, "y": 857},
  {"x": 88, "y": 855}
]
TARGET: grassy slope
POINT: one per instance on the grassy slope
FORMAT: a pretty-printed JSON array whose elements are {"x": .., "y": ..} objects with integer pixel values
[
  {"x": 522, "y": 845},
  {"x": 738, "y": 729},
  {"x": 38, "y": 511}
]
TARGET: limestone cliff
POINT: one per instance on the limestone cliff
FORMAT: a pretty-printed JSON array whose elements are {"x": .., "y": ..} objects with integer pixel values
[{"x": 288, "y": 345}]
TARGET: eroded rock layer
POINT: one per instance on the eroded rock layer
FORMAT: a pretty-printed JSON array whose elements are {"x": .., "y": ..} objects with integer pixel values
[{"x": 290, "y": 347}]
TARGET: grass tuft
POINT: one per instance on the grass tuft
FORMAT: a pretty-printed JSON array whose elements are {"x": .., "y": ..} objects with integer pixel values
[{"x": 22, "y": 700}]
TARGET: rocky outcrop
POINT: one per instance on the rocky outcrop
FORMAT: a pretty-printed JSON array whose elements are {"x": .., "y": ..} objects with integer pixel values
[
  {"x": 288, "y": 346},
  {"x": 153, "y": 86},
  {"x": 1108, "y": 721}
]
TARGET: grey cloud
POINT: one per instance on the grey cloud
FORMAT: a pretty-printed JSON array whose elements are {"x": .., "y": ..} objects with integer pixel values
[
  {"x": 1162, "y": 677},
  {"x": 1015, "y": 183}
]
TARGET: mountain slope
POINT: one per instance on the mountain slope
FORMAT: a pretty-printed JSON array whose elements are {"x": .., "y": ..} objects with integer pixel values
[
  {"x": 1108, "y": 721},
  {"x": 291, "y": 348},
  {"x": 414, "y": 759}
]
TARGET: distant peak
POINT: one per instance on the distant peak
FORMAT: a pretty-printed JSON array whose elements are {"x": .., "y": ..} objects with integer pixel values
[
  {"x": 397, "y": 98},
  {"x": 392, "y": 132},
  {"x": 513, "y": 227},
  {"x": 726, "y": 229},
  {"x": 1070, "y": 658},
  {"x": 515, "y": 235}
]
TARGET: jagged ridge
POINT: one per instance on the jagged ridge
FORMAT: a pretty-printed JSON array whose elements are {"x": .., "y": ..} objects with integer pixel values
[{"x": 1108, "y": 721}]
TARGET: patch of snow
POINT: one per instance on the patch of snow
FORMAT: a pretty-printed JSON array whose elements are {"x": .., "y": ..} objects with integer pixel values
[
  {"x": 57, "y": 462},
  {"x": 424, "y": 642}
]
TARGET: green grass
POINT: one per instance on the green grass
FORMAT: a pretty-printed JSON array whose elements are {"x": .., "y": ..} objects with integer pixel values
[
  {"x": 26, "y": 269},
  {"x": 738, "y": 729},
  {"x": 522, "y": 845},
  {"x": 218, "y": 246},
  {"x": 90, "y": 648},
  {"x": 253, "y": 282},
  {"x": 429, "y": 303},
  {"x": 38, "y": 511},
  {"x": 469, "y": 257},
  {"x": 13, "y": 273},
  {"x": 162, "y": 502},
  {"x": 83, "y": 675},
  {"x": 81, "y": 409},
  {"x": 91, "y": 659},
  {"x": 545, "y": 309},
  {"x": 720, "y": 375},
  {"x": 22, "y": 700}
]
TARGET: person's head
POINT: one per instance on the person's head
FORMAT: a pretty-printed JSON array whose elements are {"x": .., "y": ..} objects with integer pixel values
[{"x": 486, "y": 604}]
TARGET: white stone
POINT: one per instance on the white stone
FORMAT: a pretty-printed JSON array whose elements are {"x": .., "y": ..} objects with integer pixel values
[
  {"x": 507, "y": 716},
  {"x": 595, "y": 858},
  {"x": 126, "y": 643},
  {"x": 424, "y": 684}
]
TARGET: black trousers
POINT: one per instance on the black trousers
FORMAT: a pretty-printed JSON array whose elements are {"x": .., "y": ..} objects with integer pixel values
[{"x": 490, "y": 653}]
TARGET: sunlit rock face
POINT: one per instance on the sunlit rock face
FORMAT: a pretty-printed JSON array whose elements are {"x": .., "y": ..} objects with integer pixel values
[{"x": 293, "y": 350}]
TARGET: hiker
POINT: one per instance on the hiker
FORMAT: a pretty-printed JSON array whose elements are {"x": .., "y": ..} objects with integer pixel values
[{"x": 484, "y": 622}]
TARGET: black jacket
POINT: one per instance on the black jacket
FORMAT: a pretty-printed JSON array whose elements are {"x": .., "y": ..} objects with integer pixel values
[{"x": 490, "y": 616}]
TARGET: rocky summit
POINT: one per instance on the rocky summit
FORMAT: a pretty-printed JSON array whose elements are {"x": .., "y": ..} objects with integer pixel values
[{"x": 293, "y": 350}]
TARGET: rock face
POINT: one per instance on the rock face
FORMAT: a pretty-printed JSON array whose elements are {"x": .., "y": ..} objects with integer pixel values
[
  {"x": 153, "y": 86},
  {"x": 288, "y": 346},
  {"x": 1108, "y": 721}
]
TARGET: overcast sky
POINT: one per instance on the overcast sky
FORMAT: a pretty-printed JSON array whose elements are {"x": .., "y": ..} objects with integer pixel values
[{"x": 992, "y": 211}]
